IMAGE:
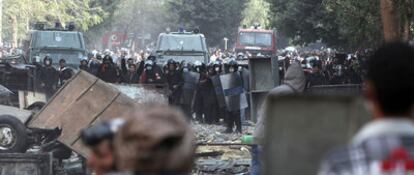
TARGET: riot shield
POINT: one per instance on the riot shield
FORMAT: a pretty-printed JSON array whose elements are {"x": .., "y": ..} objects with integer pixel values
[
  {"x": 245, "y": 74},
  {"x": 218, "y": 89},
  {"x": 190, "y": 84},
  {"x": 234, "y": 93}
]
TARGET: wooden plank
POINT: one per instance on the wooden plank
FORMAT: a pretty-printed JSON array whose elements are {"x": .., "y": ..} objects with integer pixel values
[
  {"x": 120, "y": 108},
  {"x": 80, "y": 148},
  {"x": 88, "y": 107},
  {"x": 62, "y": 100}
]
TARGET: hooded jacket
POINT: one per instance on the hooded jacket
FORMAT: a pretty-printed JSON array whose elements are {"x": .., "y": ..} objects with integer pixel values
[{"x": 294, "y": 83}]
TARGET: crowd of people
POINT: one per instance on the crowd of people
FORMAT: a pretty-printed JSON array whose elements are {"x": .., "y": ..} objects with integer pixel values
[
  {"x": 382, "y": 146},
  {"x": 326, "y": 67},
  {"x": 193, "y": 87}
]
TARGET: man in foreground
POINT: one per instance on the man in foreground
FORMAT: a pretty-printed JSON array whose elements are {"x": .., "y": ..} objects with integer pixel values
[
  {"x": 156, "y": 141},
  {"x": 386, "y": 144}
]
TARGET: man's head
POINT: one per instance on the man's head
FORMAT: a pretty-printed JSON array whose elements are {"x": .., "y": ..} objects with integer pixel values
[
  {"x": 84, "y": 62},
  {"x": 130, "y": 61},
  {"x": 47, "y": 61},
  {"x": 132, "y": 68},
  {"x": 157, "y": 140},
  {"x": 99, "y": 139},
  {"x": 390, "y": 83},
  {"x": 62, "y": 62},
  {"x": 101, "y": 158}
]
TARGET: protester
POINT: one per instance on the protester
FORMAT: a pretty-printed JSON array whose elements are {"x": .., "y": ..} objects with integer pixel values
[
  {"x": 155, "y": 141},
  {"x": 152, "y": 73},
  {"x": 131, "y": 77},
  {"x": 65, "y": 72},
  {"x": 294, "y": 83},
  {"x": 384, "y": 145},
  {"x": 84, "y": 66},
  {"x": 108, "y": 71}
]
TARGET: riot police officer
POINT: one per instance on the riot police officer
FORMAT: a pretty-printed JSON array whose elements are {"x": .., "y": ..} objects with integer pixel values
[
  {"x": 190, "y": 81},
  {"x": 201, "y": 91},
  {"x": 48, "y": 77},
  {"x": 234, "y": 95},
  {"x": 213, "y": 108},
  {"x": 218, "y": 70},
  {"x": 175, "y": 82}
]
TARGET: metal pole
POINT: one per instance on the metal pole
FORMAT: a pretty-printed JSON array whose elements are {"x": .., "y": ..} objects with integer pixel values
[
  {"x": 1, "y": 23},
  {"x": 225, "y": 43}
]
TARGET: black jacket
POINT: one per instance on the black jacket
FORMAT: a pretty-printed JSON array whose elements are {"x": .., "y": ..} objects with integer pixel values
[
  {"x": 65, "y": 74},
  {"x": 130, "y": 78},
  {"x": 175, "y": 82},
  {"x": 108, "y": 73}
]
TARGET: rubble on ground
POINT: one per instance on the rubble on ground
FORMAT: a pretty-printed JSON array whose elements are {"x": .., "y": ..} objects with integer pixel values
[
  {"x": 143, "y": 94},
  {"x": 225, "y": 155}
]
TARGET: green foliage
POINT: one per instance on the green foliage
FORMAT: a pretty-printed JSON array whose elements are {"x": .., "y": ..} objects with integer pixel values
[
  {"x": 256, "y": 11},
  {"x": 24, "y": 13},
  {"x": 215, "y": 18},
  {"x": 347, "y": 24}
]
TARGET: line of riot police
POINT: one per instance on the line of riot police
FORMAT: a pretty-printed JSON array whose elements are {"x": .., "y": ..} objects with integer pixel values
[{"x": 211, "y": 93}]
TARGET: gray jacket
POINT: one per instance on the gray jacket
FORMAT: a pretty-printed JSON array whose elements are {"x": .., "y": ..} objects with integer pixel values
[{"x": 294, "y": 83}]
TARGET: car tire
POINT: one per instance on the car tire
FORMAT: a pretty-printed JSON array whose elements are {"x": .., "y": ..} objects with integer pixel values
[{"x": 13, "y": 135}]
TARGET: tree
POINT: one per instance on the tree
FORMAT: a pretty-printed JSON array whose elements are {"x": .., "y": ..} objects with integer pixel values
[
  {"x": 215, "y": 18},
  {"x": 347, "y": 24},
  {"x": 20, "y": 15},
  {"x": 256, "y": 11},
  {"x": 344, "y": 24},
  {"x": 397, "y": 17}
]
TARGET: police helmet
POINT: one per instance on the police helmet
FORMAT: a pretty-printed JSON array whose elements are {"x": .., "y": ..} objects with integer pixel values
[
  {"x": 49, "y": 59},
  {"x": 152, "y": 57}
]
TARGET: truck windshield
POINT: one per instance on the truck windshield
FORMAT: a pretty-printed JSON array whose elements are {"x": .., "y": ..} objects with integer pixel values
[
  {"x": 181, "y": 43},
  {"x": 256, "y": 39},
  {"x": 57, "y": 39}
]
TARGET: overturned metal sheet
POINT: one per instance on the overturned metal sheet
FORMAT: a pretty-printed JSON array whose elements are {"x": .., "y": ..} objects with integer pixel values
[{"x": 300, "y": 130}]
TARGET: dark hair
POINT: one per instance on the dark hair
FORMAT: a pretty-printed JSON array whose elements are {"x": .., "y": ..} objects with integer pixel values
[{"x": 391, "y": 70}]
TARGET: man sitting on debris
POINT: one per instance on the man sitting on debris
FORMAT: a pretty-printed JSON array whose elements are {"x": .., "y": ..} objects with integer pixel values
[
  {"x": 156, "y": 141},
  {"x": 386, "y": 144},
  {"x": 294, "y": 83}
]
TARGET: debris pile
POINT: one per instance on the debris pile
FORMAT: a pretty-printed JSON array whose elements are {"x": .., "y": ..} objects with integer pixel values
[
  {"x": 144, "y": 93},
  {"x": 221, "y": 153}
]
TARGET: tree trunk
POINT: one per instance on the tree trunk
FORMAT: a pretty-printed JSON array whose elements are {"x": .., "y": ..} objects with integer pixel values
[
  {"x": 408, "y": 17},
  {"x": 15, "y": 31},
  {"x": 390, "y": 21}
]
